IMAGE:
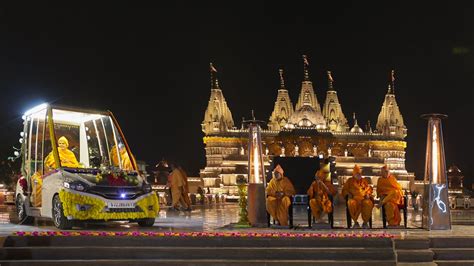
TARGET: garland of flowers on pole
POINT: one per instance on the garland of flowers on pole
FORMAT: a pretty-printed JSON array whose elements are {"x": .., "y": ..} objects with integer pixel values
[
  {"x": 204, "y": 234},
  {"x": 243, "y": 214}
]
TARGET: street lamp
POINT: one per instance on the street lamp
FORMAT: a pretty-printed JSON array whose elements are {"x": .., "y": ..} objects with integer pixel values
[{"x": 436, "y": 214}]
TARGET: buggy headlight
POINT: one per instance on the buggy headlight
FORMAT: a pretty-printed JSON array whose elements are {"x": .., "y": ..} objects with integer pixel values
[{"x": 75, "y": 185}]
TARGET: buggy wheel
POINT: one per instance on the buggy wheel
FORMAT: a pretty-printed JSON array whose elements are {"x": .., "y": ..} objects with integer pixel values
[
  {"x": 59, "y": 220},
  {"x": 147, "y": 222},
  {"x": 23, "y": 218}
]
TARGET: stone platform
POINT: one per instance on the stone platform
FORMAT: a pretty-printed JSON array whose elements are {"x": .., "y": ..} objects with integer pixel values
[{"x": 404, "y": 246}]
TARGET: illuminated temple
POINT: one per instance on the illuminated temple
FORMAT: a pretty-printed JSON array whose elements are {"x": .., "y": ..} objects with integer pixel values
[{"x": 305, "y": 129}]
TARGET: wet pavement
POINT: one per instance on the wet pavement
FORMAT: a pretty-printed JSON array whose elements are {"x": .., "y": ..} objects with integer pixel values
[{"x": 220, "y": 217}]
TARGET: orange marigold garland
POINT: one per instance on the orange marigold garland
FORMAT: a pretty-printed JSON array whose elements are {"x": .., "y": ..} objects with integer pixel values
[{"x": 203, "y": 234}]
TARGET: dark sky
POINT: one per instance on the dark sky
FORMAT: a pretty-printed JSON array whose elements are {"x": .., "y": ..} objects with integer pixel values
[{"x": 149, "y": 66}]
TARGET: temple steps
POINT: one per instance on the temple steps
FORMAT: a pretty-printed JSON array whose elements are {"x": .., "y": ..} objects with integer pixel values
[
  {"x": 93, "y": 250},
  {"x": 196, "y": 251},
  {"x": 413, "y": 250},
  {"x": 453, "y": 251},
  {"x": 200, "y": 262},
  {"x": 242, "y": 253},
  {"x": 58, "y": 241},
  {"x": 440, "y": 250}
]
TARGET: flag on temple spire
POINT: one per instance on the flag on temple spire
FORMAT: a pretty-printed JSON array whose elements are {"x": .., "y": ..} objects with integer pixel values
[
  {"x": 391, "y": 85},
  {"x": 330, "y": 76},
  {"x": 305, "y": 67},
  {"x": 214, "y": 81},
  {"x": 213, "y": 69},
  {"x": 330, "y": 80},
  {"x": 305, "y": 60},
  {"x": 282, "y": 80}
]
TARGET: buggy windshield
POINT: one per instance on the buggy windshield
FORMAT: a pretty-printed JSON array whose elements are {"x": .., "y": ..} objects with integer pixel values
[
  {"x": 84, "y": 140},
  {"x": 88, "y": 140}
]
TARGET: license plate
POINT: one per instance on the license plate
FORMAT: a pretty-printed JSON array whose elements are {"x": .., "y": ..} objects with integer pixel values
[{"x": 121, "y": 205}]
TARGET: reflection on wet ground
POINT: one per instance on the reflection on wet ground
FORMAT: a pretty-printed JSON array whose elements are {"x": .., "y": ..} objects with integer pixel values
[{"x": 214, "y": 218}]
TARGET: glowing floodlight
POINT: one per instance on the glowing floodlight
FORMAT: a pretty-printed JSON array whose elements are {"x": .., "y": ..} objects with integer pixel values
[
  {"x": 36, "y": 109},
  {"x": 436, "y": 215}
]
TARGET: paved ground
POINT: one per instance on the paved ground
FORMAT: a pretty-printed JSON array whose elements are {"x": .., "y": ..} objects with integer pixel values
[{"x": 217, "y": 217}]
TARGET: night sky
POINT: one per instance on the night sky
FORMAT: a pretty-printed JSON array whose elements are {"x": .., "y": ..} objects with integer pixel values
[{"x": 150, "y": 66}]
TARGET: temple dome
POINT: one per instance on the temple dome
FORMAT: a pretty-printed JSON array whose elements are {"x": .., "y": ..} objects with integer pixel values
[
  {"x": 307, "y": 116},
  {"x": 356, "y": 129}
]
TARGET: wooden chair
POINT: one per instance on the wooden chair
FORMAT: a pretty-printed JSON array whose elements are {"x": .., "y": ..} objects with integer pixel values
[
  {"x": 403, "y": 207},
  {"x": 348, "y": 215}
]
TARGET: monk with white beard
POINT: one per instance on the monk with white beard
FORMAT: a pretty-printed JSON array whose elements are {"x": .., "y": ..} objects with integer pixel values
[{"x": 279, "y": 190}]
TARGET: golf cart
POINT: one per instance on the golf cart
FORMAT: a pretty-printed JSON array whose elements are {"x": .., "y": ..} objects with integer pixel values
[{"x": 77, "y": 166}]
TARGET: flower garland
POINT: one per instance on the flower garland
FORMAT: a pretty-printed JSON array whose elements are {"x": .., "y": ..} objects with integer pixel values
[
  {"x": 23, "y": 184},
  {"x": 70, "y": 199},
  {"x": 204, "y": 234},
  {"x": 117, "y": 178}
]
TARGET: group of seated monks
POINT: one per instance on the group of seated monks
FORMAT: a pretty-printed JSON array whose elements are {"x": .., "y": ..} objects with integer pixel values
[{"x": 357, "y": 190}]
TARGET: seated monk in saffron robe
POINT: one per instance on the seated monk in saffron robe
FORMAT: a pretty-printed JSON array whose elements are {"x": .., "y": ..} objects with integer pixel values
[
  {"x": 67, "y": 157},
  {"x": 391, "y": 196},
  {"x": 126, "y": 162},
  {"x": 279, "y": 190},
  {"x": 318, "y": 193},
  {"x": 360, "y": 197}
]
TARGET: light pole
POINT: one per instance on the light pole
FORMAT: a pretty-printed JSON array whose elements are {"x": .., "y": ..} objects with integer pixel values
[{"x": 436, "y": 214}]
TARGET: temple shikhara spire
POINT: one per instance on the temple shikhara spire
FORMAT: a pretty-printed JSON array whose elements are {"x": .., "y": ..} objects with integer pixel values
[
  {"x": 283, "y": 107},
  {"x": 332, "y": 110},
  {"x": 307, "y": 110},
  {"x": 307, "y": 95},
  {"x": 390, "y": 119},
  {"x": 217, "y": 117},
  {"x": 304, "y": 130}
]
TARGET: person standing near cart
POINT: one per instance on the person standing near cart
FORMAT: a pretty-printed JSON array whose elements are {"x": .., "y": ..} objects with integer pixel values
[{"x": 177, "y": 185}]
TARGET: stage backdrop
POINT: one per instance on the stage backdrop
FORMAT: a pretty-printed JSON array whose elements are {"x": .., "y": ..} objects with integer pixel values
[{"x": 300, "y": 170}]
